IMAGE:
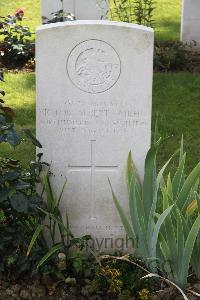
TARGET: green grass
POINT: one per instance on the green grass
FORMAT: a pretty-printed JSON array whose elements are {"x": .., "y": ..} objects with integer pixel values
[
  {"x": 20, "y": 95},
  {"x": 175, "y": 100},
  {"x": 167, "y": 15},
  {"x": 32, "y": 11},
  {"x": 167, "y": 19}
]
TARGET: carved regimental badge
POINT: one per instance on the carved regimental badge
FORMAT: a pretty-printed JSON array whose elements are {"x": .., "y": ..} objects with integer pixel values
[{"x": 93, "y": 66}]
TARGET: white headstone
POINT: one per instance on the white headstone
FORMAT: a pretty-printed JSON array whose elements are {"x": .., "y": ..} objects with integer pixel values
[
  {"x": 190, "y": 27},
  {"x": 81, "y": 9},
  {"x": 94, "y": 97},
  {"x": 49, "y": 7}
]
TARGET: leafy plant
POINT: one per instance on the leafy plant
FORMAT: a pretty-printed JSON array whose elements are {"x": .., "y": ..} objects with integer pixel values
[
  {"x": 59, "y": 16},
  {"x": 23, "y": 210},
  {"x": 143, "y": 229},
  {"x": 19, "y": 200},
  {"x": 7, "y": 129},
  {"x": 169, "y": 235},
  {"x": 179, "y": 233},
  {"x": 171, "y": 56},
  {"x": 61, "y": 238},
  {"x": 122, "y": 10},
  {"x": 19, "y": 215},
  {"x": 143, "y": 11},
  {"x": 17, "y": 46},
  {"x": 133, "y": 11},
  {"x": 116, "y": 276},
  {"x": 17, "y": 187}
]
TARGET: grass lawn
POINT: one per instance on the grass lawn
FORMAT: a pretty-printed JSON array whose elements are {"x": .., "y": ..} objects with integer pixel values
[
  {"x": 20, "y": 95},
  {"x": 167, "y": 15},
  {"x": 175, "y": 101},
  {"x": 32, "y": 10},
  {"x": 168, "y": 19}
]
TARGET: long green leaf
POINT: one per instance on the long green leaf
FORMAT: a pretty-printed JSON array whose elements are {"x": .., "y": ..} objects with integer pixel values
[
  {"x": 57, "y": 220},
  {"x": 169, "y": 233},
  {"x": 129, "y": 231},
  {"x": 189, "y": 246},
  {"x": 36, "y": 234},
  {"x": 61, "y": 194},
  {"x": 189, "y": 182},
  {"x": 195, "y": 260},
  {"x": 137, "y": 218},
  {"x": 180, "y": 239},
  {"x": 155, "y": 198},
  {"x": 181, "y": 150},
  {"x": 32, "y": 138},
  {"x": 160, "y": 174},
  {"x": 131, "y": 170},
  {"x": 171, "y": 271},
  {"x": 178, "y": 179},
  {"x": 164, "y": 247},
  {"x": 53, "y": 250},
  {"x": 149, "y": 184},
  {"x": 132, "y": 179},
  {"x": 51, "y": 202},
  {"x": 156, "y": 231}
]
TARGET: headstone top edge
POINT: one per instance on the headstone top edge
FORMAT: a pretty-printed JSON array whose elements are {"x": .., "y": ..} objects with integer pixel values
[{"x": 94, "y": 22}]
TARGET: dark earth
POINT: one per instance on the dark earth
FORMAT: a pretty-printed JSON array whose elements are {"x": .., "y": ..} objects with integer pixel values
[{"x": 48, "y": 290}]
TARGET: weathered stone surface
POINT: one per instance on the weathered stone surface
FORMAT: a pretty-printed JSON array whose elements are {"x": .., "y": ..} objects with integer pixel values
[
  {"x": 190, "y": 26},
  {"x": 94, "y": 96},
  {"x": 50, "y": 6},
  {"x": 83, "y": 10}
]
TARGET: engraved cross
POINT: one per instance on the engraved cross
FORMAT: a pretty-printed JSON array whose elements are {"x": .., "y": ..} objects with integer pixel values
[{"x": 92, "y": 168}]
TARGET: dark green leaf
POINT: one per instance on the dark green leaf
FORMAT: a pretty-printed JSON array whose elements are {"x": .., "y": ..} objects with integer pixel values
[
  {"x": 3, "y": 195},
  {"x": 11, "y": 176},
  {"x": 1, "y": 76},
  {"x": 13, "y": 138},
  {"x": 2, "y": 120},
  {"x": 22, "y": 186},
  {"x": 32, "y": 138},
  {"x": 19, "y": 202}
]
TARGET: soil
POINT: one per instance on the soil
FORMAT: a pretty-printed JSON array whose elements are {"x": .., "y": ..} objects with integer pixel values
[
  {"x": 195, "y": 61},
  {"x": 35, "y": 289},
  {"x": 47, "y": 289}
]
